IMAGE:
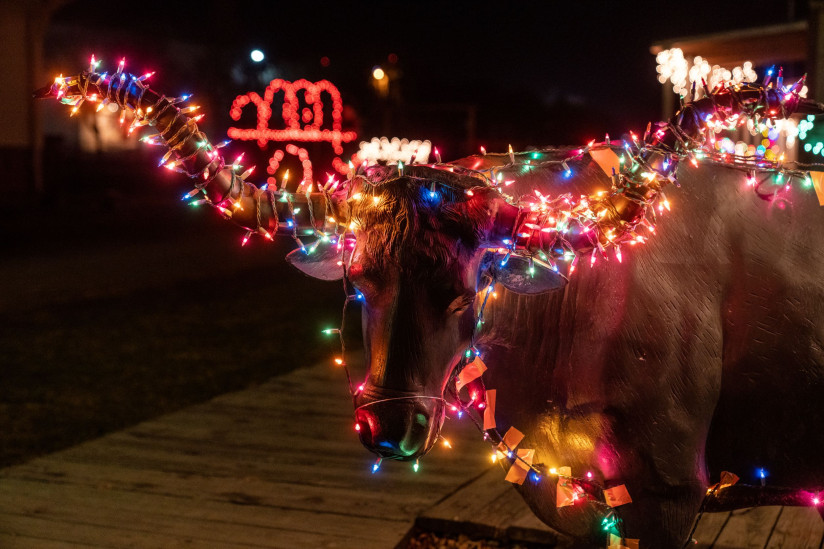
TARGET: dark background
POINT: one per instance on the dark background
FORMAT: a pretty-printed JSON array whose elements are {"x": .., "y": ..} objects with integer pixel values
[
  {"x": 120, "y": 303},
  {"x": 539, "y": 73}
]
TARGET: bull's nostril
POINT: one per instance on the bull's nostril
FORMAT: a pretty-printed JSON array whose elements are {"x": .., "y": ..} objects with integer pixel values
[{"x": 399, "y": 428}]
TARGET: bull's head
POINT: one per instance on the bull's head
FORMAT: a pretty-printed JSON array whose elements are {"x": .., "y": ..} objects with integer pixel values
[{"x": 419, "y": 255}]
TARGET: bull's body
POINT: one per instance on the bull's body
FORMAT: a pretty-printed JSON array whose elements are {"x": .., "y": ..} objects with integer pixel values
[{"x": 700, "y": 352}]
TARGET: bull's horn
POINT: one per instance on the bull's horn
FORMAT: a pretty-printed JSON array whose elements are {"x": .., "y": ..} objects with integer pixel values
[{"x": 260, "y": 210}]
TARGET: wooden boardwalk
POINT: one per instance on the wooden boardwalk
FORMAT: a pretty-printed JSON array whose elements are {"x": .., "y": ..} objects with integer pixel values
[{"x": 263, "y": 468}]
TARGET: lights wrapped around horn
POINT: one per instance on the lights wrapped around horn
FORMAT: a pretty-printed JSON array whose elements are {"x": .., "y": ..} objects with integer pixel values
[
  {"x": 556, "y": 232},
  {"x": 262, "y": 211}
]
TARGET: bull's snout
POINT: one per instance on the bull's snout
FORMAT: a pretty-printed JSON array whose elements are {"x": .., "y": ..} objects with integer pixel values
[{"x": 400, "y": 428}]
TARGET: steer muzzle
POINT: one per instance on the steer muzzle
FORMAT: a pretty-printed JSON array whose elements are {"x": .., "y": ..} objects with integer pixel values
[{"x": 402, "y": 428}]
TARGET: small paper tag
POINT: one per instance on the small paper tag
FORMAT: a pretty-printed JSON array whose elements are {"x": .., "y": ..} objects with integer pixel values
[
  {"x": 606, "y": 159},
  {"x": 818, "y": 183},
  {"x": 564, "y": 494},
  {"x": 727, "y": 479},
  {"x": 519, "y": 469},
  {"x": 489, "y": 411},
  {"x": 517, "y": 473},
  {"x": 564, "y": 471},
  {"x": 526, "y": 455},
  {"x": 470, "y": 372},
  {"x": 512, "y": 438},
  {"x": 617, "y": 495}
]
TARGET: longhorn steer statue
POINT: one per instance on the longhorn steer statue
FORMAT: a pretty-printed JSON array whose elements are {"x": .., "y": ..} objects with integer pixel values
[{"x": 698, "y": 352}]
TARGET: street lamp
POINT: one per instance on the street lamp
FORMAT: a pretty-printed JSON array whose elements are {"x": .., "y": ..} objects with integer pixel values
[{"x": 381, "y": 81}]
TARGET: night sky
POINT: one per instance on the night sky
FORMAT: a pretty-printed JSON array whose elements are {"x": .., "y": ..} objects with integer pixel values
[{"x": 539, "y": 73}]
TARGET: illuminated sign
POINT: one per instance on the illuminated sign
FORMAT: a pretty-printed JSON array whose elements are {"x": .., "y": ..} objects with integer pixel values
[{"x": 301, "y": 125}]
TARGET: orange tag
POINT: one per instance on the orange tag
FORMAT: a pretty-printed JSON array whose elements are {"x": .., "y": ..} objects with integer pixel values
[
  {"x": 727, "y": 479},
  {"x": 526, "y": 455},
  {"x": 512, "y": 438},
  {"x": 489, "y": 411},
  {"x": 519, "y": 470},
  {"x": 564, "y": 471},
  {"x": 617, "y": 495},
  {"x": 470, "y": 372},
  {"x": 607, "y": 159},
  {"x": 564, "y": 495},
  {"x": 517, "y": 473},
  {"x": 818, "y": 183}
]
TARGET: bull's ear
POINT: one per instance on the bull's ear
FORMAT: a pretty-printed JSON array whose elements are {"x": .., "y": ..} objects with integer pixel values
[
  {"x": 324, "y": 262},
  {"x": 517, "y": 274}
]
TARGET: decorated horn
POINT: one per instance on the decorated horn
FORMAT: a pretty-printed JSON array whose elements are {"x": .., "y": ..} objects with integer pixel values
[
  {"x": 556, "y": 231},
  {"x": 260, "y": 210}
]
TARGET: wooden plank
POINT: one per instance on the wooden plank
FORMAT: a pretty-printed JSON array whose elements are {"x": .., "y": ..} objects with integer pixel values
[
  {"x": 154, "y": 520},
  {"x": 79, "y": 533},
  {"x": 748, "y": 528},
  {"x": 708, "y": 529},
  {"x": 264, "y": 491},
  {"x": 14, "y": 541},
  {"x": 797, "y": 527}
]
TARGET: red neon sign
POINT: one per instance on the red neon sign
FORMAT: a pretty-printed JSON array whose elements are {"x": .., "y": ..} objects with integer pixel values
[{"x": 301, "y": 125}]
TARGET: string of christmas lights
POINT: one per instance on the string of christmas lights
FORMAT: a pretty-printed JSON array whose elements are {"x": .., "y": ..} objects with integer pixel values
[{"x": 639, "y": 169}]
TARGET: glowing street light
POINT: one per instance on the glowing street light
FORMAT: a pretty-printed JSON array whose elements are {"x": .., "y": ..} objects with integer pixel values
[
  {"x": 257, "y": 56},
  {"x": 380, "y": 81}
]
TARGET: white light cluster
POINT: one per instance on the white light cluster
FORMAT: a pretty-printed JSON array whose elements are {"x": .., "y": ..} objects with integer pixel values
[
  {"x": 392, "y": 151},
  {"x": 674, "y": 67}
]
